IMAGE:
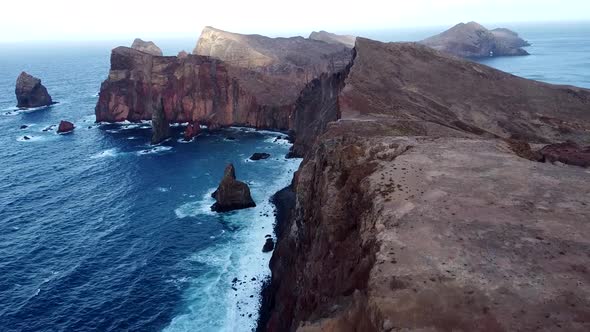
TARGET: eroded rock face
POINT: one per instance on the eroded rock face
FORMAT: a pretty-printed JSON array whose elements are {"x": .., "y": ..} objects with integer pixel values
[
  {"x": 568, "y": 153},
  {"x": 192, "y": 89},
  {"x": 65, "y": 127},
  {"x": 473, "y": 40},
  {"x": 160, "y": 124},
  {"x": 349, "y": 259},
  {"x": 231, "y": 193},
  {"x": 147, "y": 47},
  {"x": 30, "y": 92},
  {"x": 332, "y": 38}
]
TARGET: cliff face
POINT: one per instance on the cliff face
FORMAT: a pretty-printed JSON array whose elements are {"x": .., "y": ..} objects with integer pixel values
[
  {"x": 410, "y": 213},
  {"x": 192, "y": 89},
  {"x": 474, "y": 40}
]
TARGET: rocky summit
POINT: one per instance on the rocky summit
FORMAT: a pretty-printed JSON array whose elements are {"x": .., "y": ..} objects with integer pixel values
[
  {"x": 231, "y": 193},
  {"x": 147, "y": 47},
  {"x": 472, "y": 40},
  {"x": 30, "y": 92}
]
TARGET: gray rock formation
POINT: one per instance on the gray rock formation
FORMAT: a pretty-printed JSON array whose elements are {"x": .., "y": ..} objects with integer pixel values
[
  {"x": 332, "y": 38},
  {"x": 30, "y": 92},
  {"x": 473, "y": 40},
  {"x": 231, "y": 193},
  {"x": 147, "y": 47}
]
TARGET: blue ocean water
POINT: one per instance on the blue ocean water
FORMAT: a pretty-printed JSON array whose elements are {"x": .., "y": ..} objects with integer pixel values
[{"x": 101, "y": 232}]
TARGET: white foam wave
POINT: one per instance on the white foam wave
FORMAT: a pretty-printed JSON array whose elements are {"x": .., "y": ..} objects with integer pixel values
[
  {"x": 215, "y": 302},
  {"x": 105, "y": 154},
  {"x": 200, "y": 207},
  {"x": 154, "y": 150}
]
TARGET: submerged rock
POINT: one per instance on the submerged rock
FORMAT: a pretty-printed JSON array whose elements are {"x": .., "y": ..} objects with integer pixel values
[
  {"x": 259, "y": 156},
  {"x": 231, "y": 193},
  {"x": 30, "y": 92},
  {"x": 24, "y": 127},
  {"x": 65, "y": 127},
  {"x": 147, "y": 47}
]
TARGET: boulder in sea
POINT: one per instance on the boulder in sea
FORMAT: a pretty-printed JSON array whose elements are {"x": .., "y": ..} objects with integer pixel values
[
  {"x": 231, "y": 193},
  {"x": 269, "y": 245},
  {"x": 192, "y": 130},
  {"x": 146, "y": 47},
  {"x": 65, "y": 127},
  {"x": 259, "y": 156},
  {"x": 568, "y": 153},
  {"x": 30, "y": 92},
  {"x": 214, "y": 126},
  {"x": 24, "y": 127}
]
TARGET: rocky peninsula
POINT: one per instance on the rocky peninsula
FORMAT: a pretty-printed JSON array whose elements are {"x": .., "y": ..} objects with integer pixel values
[
  {"x": 417, "y": 206},
  {"x": 472, "y": 40},
  {"x": 30, "y": 92}
]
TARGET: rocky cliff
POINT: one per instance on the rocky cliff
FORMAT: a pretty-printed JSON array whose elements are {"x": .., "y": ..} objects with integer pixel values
[
  {"x": 474, "y": 40},
  {"x": 192, "y": 89},
  {"x": 411, "y": 212}
]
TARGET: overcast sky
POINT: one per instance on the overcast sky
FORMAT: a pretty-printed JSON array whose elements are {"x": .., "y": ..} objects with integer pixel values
[{"x": 117, "y": 19}]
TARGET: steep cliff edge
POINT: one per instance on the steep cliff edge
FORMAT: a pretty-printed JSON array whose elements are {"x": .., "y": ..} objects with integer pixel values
[
  {"x": 411, "y": 213},
  {"x": 192, "y": 89}
]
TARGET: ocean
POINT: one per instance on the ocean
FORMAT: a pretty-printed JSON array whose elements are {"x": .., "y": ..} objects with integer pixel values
[{"x": 99, "y": 231}]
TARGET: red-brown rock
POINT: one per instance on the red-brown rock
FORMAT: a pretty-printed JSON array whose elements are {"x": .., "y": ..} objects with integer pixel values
[
  {"x": 568, "y": 153},
  {"x": 231, "y": 193},
  {"x": 65, "y": 127},
  {"x": 192, "y": 130}
]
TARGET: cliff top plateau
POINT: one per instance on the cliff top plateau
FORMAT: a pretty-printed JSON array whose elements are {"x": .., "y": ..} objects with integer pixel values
[{"x": 474, "y": 40}]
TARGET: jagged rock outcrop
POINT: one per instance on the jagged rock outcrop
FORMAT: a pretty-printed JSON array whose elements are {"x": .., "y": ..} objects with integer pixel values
[
  {"x": 231, "y": 193},
  {"x": 473, "y": 40},
  {"x": 259, "y": 156},
  {"x": 182, "y": 54},
  {"x": 412, "y": 156},
  {"x": 147, "y": 47},
  {"x": 30, "y": 92},
  {"x": 65, "y": 127},
  {"x": 568, "y": 153},
  {"x": 332, "y": 38},
  {"x": 160, "y": 124}
]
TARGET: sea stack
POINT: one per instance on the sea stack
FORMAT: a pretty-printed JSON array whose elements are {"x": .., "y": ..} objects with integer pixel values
[
  {"x": 65, "y": 127},
  {"x": 147, "y": 47},
  {"x": 472, "y": 40},
  {"x": 231, "y": 193},
  {"x": 30, "y": 92},
  {"x": 160, "y": 125}
]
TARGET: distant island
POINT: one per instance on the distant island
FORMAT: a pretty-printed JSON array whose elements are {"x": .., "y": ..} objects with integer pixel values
[{"x": 472, "y": 40}]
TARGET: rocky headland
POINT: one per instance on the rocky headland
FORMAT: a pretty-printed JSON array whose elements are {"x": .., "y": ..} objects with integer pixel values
[
  {"x": 332, "y": 38},
  {"x": 472, "y": 40},
  {"x": 30, "y": 92},
  {"x": 434, "y": 194},
  {"x": 414, "y": 211},
  {"x": 147, "y": 47}
]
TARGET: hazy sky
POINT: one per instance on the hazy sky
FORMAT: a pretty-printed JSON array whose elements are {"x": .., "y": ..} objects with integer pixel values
[{"x": 113, "y": 19}]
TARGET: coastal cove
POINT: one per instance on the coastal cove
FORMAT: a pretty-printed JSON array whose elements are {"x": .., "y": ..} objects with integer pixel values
[{"x": 105, "y": 231}]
